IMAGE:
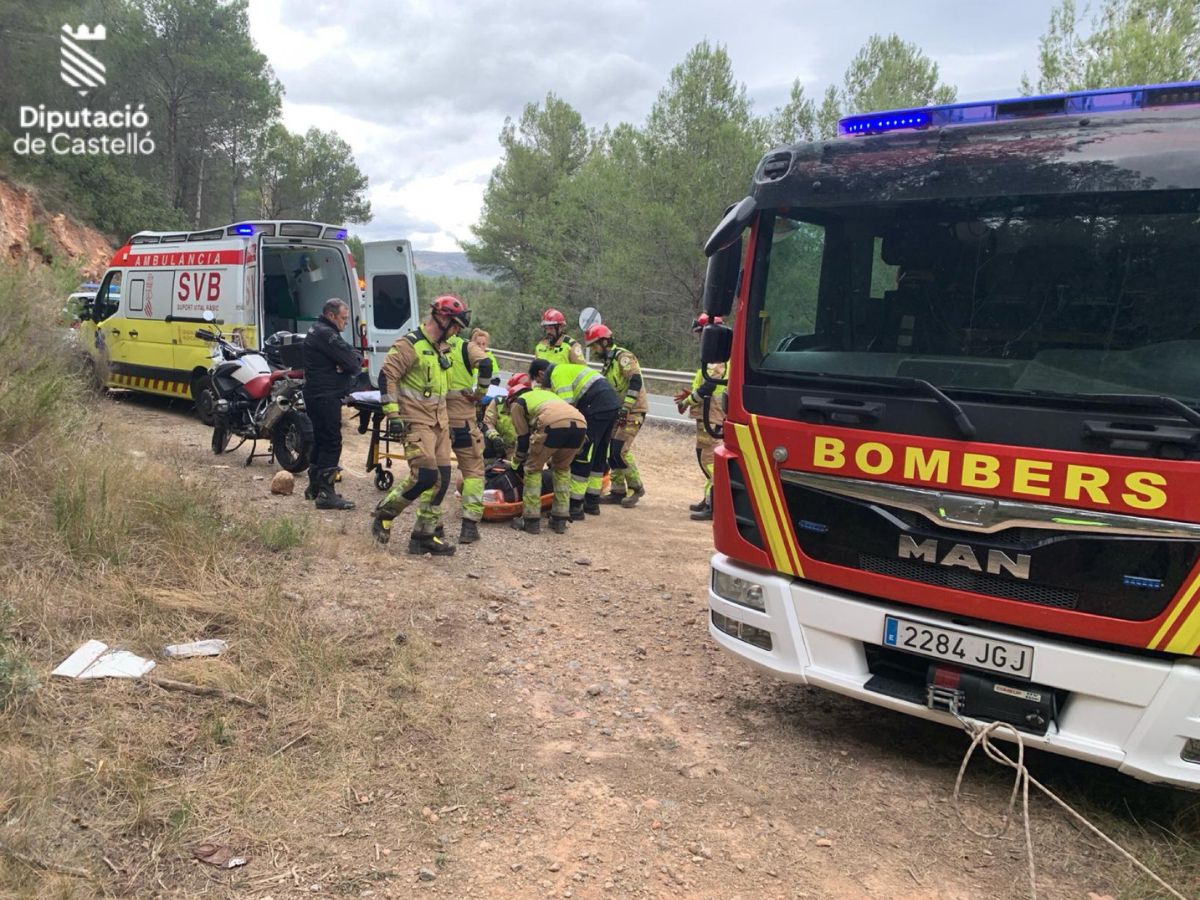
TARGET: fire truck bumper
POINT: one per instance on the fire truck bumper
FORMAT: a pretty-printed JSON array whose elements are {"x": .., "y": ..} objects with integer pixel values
[{"x": 1136, "y": 714}]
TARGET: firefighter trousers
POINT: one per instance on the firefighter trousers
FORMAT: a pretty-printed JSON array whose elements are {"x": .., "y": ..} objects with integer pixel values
[{"x": 625, "y": 475}]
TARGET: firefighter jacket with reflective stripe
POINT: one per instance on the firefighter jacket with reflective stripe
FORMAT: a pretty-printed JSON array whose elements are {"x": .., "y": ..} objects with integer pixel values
[
  {"x": 413, "y": 382},
  {"x": 468, "y": 377},
  {"x": 567, "y": 350},
  {"x": 620, "y": 367},
  {"x": 571, "y": 380},
  {"x": 540, "y": 409}
]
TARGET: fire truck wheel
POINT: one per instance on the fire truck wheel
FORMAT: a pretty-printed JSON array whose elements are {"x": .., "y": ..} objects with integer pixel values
[
  {"x": 292, "y": 440},
  {"x": 204, "y": 395},
  {"x": 384, "y": 479}
]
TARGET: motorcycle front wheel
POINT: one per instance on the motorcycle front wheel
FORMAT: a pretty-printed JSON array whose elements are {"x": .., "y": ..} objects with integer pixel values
[{"x": 292, "y": 440}]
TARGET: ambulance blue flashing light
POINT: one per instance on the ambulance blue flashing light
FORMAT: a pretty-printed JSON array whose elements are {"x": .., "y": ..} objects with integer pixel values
[
  {"x": 244, "y": 229},
  {"x": 341, "y": 235},
  {"x": 1076, "y": 103}
]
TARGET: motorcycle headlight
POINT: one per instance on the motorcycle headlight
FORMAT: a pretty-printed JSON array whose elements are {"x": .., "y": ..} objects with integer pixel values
[{"x": 738, "y": 590}]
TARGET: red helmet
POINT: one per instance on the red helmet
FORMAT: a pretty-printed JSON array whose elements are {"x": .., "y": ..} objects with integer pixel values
[
  {"x": 553, "y": 317},
  {"x": 451, "y": 306},
  {"x": 595, "y": 333},
  {"x": 703, "y": 319},
  {"x": 518, "y": 383}
]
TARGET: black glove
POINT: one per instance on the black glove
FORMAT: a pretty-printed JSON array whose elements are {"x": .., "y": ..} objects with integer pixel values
[
  {"x": 622, "y": 417},
  {"x": 397, "y": 428}
]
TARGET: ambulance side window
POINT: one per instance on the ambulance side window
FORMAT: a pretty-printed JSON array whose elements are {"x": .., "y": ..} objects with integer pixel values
[
  {"x": 108, "y": 298},
  {"x": 391, "y": 306}
]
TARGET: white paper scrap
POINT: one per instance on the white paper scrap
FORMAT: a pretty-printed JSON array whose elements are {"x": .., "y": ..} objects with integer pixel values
[
  {"x": 210, "y": 647},
  {"x": 95, "y": 660}
]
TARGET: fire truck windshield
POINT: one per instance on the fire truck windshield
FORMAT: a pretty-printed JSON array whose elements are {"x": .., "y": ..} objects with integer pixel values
[{"x": 1076, "y": 294}]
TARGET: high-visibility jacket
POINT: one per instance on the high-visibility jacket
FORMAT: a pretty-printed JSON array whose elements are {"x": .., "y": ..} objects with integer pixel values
[
  {"x": 571, "y": 380},
  {"x": 567, "y": 350},
  {"x": 467, "y": 378},
  {"x": 620, "y": 368},
  {"x": 412, "y": 382},
  {"x": 695, "y": 400}
]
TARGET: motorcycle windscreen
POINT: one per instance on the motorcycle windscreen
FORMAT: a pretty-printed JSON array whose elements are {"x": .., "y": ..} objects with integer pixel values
[{"x": 390, "y": 308}]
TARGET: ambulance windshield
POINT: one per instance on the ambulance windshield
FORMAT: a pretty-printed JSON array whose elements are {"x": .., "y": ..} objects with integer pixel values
[{"x": 1078, "y": 294}]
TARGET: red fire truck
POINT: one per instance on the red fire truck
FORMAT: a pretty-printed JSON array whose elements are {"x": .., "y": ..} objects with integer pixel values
[{"x": 961, "y": 463}]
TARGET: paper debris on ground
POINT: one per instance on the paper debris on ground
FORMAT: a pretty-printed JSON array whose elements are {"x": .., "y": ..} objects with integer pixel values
[
  {"x": 210, "y": 647},
  {"x": 95, "y": 660}
]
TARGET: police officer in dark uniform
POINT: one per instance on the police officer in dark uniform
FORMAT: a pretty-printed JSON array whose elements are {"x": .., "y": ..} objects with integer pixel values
[{"x": 331, "y": 367}]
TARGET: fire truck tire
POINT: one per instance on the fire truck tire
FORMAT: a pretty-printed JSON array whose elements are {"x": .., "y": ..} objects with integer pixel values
[
  {"x": 384, "y": 479},
  {"x": 292, "y": 440},
  {"x": 204, "y": 395}
]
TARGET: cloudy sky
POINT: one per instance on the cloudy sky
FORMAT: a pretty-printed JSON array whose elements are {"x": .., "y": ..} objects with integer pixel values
[{"x": 421, "y": 89}]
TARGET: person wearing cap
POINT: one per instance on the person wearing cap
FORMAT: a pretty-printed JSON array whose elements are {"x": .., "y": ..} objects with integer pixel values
[
  {"x": 622, "y": 371},
  {"x": 549, "y": 431},
  {"x": 704, "y": 394},
  {"x": 556, "y": 346},
  {"x": 413, "y": 384}
]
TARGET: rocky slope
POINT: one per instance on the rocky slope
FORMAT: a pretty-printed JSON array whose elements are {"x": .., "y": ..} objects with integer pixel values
[{"x": 30, "y": 233}]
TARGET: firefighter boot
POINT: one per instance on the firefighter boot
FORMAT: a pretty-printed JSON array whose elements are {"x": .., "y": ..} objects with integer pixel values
[
  {"x": 529, "y": 526},
  {"x": 327, "y": 496},
  {"x": 381, "y": 527},
  {"x": 558, "y": 524},
  {"x": 577, "y": 509},
  {"x": 420, "y": 543},
  {"x": 703, "y": 515},
  {"x": 614, "y": 497},
  {"x": 591, "y": 504},
  {"x": 633, "y": 497},
  {"x": 469, "y": 533},
  {"x": 700, "y": 506},
  {"x": 310, "y": 492}
]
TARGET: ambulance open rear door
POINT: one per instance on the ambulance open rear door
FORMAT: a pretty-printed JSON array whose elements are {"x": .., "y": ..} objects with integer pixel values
[{"x": 389, "y": 305}]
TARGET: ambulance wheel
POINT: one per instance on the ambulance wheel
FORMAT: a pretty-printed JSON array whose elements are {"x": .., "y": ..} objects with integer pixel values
[
  {"x": 292, "y": 440},
  {"x": 384, "y": 479},
  {"x": 204, "y": 395}
]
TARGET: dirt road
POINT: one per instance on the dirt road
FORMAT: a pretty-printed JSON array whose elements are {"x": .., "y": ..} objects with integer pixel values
[{"x": 570, "y": 730}]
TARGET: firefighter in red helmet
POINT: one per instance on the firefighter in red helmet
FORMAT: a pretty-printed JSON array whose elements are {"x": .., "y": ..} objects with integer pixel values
[{"x": 557, "y": 346}]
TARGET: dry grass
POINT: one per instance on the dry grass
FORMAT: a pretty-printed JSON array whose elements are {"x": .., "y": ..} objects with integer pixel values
[{"x": 120, "y": 779}]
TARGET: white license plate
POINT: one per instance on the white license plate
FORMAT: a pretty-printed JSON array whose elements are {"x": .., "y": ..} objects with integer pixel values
[{"x": 958, "y": 647}]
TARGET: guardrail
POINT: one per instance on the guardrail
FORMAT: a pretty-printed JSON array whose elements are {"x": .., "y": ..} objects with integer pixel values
[{"x": 523, "y": 359}]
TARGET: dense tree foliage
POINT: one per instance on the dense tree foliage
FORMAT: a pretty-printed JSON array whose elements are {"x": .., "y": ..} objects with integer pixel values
[
  {"x": 1123, "y": 42},
  {"x": 617, "y": 223},
  {"x": 213, "y": 107}
]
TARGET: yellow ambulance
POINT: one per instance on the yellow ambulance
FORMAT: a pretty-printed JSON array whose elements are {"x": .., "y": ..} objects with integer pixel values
[{"x": 255, "y": 278}]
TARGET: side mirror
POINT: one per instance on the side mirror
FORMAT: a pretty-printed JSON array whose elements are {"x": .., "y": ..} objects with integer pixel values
[
  {"x": 721, "y": 279},
  {"x": 716, "y": 344},
  {"x": 731, "y": 226},
  {"x": 208, "y": 316}
]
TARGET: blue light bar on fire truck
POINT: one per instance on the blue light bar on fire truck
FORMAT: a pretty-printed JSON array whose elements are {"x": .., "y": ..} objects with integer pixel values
[{"x": 1072, "y": 104}]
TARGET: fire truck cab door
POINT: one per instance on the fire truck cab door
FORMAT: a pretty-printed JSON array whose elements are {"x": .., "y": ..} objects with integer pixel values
[{"x": 389, "y": 304}]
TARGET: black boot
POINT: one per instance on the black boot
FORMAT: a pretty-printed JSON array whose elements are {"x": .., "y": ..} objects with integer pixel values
[
  {"x": 577, "y": 510},
  {"x": 327, "y": 497},
  {"x": 591, "y": 504},
  {"x": 558, "y": 524},
  {"x": 381, "y": 528},
  {"x": 469, "y": 533},
  {"x": 699, "y": 507},
  {"x": 703, "y": 515},
  {"x": 529, "y": 526},
  {"x": 613, "y": 497},
  {"x": 633, "y": 497},
  {"x": 419, "y": 544},
  {"x": 310, "y": 492}
]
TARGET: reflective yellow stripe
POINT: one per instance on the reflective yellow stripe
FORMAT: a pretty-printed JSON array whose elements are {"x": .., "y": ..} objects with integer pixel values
[
  {"x": 776, "y": 542},
  {"x": 779, "y": 507},
  {"x": 1178, "y": 609}
]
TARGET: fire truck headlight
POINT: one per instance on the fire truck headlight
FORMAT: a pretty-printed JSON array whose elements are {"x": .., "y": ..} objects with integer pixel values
[{"x": 738, "y": 590}]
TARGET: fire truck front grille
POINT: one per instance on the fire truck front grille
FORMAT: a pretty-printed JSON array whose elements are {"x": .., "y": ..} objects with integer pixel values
[{"x": 975, "y": 582}]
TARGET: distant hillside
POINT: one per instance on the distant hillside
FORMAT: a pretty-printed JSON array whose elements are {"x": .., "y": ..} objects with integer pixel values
[{"x": 453, "y": 265}]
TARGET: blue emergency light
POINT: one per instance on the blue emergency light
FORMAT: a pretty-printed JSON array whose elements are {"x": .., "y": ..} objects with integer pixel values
[
  {"x": 244, "y": 229},
  {"x": 1071, "y": 104}
]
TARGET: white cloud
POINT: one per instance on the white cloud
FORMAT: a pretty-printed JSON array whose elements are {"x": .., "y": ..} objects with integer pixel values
[{"x": 421, "y": 89}]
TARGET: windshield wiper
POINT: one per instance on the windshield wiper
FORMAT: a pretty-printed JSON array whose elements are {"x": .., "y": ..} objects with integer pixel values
[
  {"x": 913, "y": 385},
  {"x": 1162, "y": 401}
]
